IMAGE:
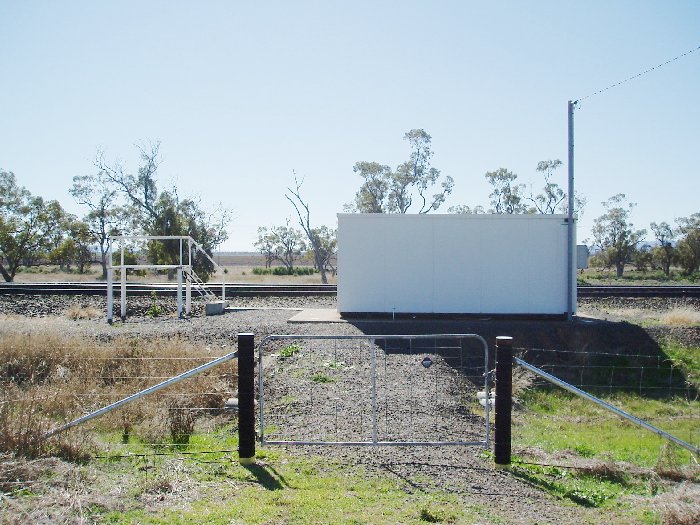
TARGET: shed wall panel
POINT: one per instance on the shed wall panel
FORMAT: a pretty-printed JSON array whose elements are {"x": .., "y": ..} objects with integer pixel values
[{"x": 499, "y": 264}]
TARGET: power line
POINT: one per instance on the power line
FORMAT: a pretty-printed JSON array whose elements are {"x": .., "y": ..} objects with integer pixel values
[{"x": 638, "y": 75}]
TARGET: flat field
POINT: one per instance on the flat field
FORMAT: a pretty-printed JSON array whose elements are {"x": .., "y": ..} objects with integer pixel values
[{"x": 233, "y": 269}]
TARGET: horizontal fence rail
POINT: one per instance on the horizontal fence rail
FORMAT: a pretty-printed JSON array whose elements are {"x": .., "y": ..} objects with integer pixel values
[{"x": 372, "y": 390}]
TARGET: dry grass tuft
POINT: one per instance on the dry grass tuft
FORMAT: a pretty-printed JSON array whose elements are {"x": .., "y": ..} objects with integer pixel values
[
  {"x": 47, "y": 380},
  {"x": 680, "y": 506},
  {"x": 681, "y": 317},
  {"x": 668, "y": 466},
  {"x": 77, "y": 312},
  {"x": 608, "y": 470}
]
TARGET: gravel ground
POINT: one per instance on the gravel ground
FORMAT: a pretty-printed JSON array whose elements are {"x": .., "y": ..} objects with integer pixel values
[{"x": 461, "y": 470}]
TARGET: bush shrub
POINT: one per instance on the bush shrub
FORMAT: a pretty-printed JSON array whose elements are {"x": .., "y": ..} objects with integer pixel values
[{"x": 282, "y": 270}]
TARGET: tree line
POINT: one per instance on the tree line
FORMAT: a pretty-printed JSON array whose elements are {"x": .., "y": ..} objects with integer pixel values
[{"x": 120, "y": 201}]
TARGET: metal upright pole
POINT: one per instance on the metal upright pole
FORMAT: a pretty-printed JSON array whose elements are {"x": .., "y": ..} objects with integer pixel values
[
  {"x": 110, "y": 295},
  {"x": 179, "y": 291},
  {"x": 570, "y": 269},
  {"x": 188, "y": 281},
  {"x": 110, "y": 277},
  {"x": 123, "y": 281},
  {"x": 188, "y": 296}
]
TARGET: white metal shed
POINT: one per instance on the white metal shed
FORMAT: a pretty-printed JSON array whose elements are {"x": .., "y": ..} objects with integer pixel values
[{"x": 472, "y": 264}]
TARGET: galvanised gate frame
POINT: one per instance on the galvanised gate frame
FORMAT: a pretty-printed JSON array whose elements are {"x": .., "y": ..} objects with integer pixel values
[{"x": 420, "y": 345}]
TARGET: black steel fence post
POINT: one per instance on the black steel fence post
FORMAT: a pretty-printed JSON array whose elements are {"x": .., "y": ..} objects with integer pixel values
[
  {"x": 246, "y": 398},
  {"x": 504, "y": 399}
]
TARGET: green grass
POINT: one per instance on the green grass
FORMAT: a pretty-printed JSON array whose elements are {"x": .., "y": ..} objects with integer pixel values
[
  {"x": 557, "y": 420},
  {"x": 598, "y": 276},
  {"x": 290, "y": 351},
  {"x": 280, "y": 488},
  {"x": 686, "y": 358},
  {"x": 588, "y": 490}
]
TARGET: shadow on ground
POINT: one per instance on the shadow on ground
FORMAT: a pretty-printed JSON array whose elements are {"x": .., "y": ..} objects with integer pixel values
[{"x": 591, "y": 353}]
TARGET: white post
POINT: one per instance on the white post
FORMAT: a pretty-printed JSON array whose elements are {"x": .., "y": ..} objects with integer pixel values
[
  {"x": 122, "y": 270},
  {"x": 188, "y": 285},
  {"x": 188, "y": 293},
  {"x": 179, "y": 291},
  {"x": 110, "y": 295}
]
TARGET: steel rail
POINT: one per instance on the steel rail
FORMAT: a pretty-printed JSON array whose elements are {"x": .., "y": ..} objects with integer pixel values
[
  {"x": 639, "y": 291},
  {"x": 100, "y": 288},
  {"x": 248, "y": 290}
]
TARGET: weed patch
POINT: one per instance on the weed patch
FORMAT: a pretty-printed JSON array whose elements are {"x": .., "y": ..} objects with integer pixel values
[
  {"x": 290, "y": 351},
  {"x": 556, "y": 421}
]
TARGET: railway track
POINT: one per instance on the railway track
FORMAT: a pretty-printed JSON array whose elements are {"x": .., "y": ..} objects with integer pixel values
[
  {"x": 100, "y": 288},
  {"x": 638, "y": 291},
  {"x": 300, "y": 290}
]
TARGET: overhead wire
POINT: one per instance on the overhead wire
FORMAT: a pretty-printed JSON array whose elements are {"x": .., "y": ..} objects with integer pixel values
[{"x": 637, "y": 75}]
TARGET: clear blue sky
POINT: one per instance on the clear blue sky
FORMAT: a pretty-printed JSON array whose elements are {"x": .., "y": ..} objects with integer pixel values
[{"x": 242, "y": 93}]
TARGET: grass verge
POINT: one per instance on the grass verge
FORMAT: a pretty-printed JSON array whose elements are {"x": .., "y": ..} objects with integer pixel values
[
  {"x": 579, "y": 451},
  {"x": 202, "y": 482}
]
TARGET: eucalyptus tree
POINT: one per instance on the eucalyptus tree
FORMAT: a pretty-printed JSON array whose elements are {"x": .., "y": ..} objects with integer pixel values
[
  {"x": 664, "y": 253},
  {"x": 155, "y": 212},
  {"x": 106, "y": 217},
  {"x": 553, "y": 198},
  {"x": 28, "y": 226},
  {"x": 689, "y": 244},
  {"x": 614, "y": 234},
  {"x": 322, "y": 240},
  {"x": 507, "y": 195},
  {"x": 395, "y": 191},
  {"x": 281, "y": 243}
]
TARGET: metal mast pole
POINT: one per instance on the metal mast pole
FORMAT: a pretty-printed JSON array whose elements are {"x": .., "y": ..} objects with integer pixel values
[{"x": 570, "y": 220}]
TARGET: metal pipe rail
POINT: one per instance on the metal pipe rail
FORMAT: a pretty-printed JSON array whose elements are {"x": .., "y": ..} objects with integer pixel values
[
  {"x": 234, "y": 289},
  {"x": 634, "y": 419},
  {"x": 142, "y": 393}
]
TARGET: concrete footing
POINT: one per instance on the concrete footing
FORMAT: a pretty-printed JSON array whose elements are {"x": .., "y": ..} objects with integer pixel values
[{"x": 215, "y": 308}]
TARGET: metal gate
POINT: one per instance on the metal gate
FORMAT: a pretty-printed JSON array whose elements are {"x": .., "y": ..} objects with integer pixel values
[{"x": 373, "y": 390}]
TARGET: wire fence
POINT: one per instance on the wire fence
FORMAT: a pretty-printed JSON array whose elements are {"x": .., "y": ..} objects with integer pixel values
[
  {"x": 46, "y": 382},
  {"x": 355, "y": 390},
  {"x": 614, "y": 372}
]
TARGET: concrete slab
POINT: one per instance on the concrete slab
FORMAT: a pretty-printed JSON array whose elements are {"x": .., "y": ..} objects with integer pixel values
[
  {"x": 215, "y": 307},
  {"x": 317, "y": 315}
]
